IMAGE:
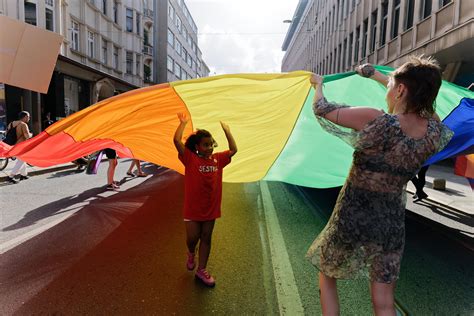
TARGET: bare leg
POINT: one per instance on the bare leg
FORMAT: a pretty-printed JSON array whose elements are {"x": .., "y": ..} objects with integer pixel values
[
  {"x": 139, "y": 169},
  {"x": 193, "y": 231},
  {"x": 130, "y": 169},
  {"x": 111, "y": 171},
  {"x": 328, "y": 293},
  {"x": 383, "y": 298},
  {"x": 205, "y": 244}
]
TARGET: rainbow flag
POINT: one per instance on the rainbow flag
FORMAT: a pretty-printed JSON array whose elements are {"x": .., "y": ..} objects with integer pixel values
[{"x": 270, "y": 117}]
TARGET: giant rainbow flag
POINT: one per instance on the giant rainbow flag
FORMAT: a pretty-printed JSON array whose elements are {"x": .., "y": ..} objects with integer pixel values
[{"x": 270, "y": 117}]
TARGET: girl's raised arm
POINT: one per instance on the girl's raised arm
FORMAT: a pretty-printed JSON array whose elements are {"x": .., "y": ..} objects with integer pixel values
[
  {"x": 178, "y": 135},
  {"x": 230, "y": 139}
]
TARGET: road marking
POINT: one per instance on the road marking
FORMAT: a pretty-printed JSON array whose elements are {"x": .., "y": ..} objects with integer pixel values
[
  {"x": 289, "y": 301},
  {"x": 4, "y": 247}
]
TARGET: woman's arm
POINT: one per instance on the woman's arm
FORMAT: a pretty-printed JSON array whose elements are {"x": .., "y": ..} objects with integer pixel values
[
  {"x": 351, "y": 117},
  {"x": 178, "y": 135},
  {"x": 230, "y": 139}
]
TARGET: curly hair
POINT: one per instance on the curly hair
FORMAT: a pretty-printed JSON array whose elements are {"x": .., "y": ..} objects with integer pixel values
[
  {"x": 195, "y": 138},
  {"x": 422, "y": 77}
]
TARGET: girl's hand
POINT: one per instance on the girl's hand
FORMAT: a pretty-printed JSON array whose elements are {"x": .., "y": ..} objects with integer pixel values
[
  {"x": 182, "y": 118},
  {"x": 365, "y": 70},
  {"x": 316, "y": 79},
  {"x": 225, "y": 127}
]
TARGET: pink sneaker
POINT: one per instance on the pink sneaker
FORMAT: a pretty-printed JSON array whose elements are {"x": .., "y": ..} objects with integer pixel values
[
  {"x": 205, "y": 277},
  {"x": 190, "y": 262}
]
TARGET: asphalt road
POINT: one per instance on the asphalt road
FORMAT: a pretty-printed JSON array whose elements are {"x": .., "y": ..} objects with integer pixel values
[{"x": 70, "y": 247}]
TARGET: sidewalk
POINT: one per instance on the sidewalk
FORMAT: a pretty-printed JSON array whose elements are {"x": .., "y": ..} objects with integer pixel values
[
  {"x": 458, "y": 194},
  {"x": 32, "y": 171}
]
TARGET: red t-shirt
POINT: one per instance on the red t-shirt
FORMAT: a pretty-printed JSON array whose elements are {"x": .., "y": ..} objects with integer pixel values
[{"x": 203, "y": 185}]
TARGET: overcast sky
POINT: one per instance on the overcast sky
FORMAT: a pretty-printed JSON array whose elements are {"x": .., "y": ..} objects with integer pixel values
[{"x": 241, "y": 36}]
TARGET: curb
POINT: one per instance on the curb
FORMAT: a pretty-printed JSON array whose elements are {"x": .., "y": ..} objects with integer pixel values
[
  {"x": 435, "y": 201},
  {"x": 43, "y": 171}
]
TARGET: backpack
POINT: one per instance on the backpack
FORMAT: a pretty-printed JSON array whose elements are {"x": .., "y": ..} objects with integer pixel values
[{"x": 10, "y": 137}]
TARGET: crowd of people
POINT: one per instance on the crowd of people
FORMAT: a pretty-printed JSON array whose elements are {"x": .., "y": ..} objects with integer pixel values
[{"x": 365, "y": 235}]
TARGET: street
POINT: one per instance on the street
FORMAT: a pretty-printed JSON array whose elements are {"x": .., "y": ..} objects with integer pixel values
[{"x": 68, "y": 246}]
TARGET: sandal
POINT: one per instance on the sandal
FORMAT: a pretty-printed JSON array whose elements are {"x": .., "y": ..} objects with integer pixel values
[
  {"x": 142, "y": 174},
  {"x": 112, "y": 187},
  {"x": 131, "y": 174}
]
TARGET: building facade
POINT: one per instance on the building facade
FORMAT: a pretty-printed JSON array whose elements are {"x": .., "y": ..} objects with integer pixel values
[
  {"x": 331, "y": 36},
  {"x": 109, "y": 47},
  {"x": 177, "y": 43}
]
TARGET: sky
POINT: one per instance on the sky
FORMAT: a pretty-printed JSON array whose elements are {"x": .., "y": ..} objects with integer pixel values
[{"x": 242, "y": 36}]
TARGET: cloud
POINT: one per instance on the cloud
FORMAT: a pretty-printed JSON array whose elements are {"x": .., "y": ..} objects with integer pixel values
[{"x": 241, "y": 36}]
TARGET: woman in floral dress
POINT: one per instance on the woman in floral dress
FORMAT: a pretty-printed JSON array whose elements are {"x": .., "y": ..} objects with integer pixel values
[{"x": 366, "y": 233}]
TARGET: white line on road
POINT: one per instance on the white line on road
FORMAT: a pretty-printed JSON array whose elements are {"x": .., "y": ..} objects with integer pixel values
[
  {"x": 4, "y": 247},
  {"x": 289, "y": 301}
]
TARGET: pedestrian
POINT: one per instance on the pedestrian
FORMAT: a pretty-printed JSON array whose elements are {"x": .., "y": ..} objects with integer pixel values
[
  {"x": 202, "y": 191},
  {"x": 22, "y": 134},
  {"x": 419, "y": 181},
  {"x": 112, "y": 157},
  {"x": 140, "y": 173},
  {"x": 365, "y": 235},
  {"x": 48, "y": 121}
]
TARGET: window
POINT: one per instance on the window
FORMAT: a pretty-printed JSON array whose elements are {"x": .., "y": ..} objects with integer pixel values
[
  {"x": 425, "y": 9},
  {"x": 194, "y": 47},
  {"x": 138, "y": 23},
  {"x": 116, "y": 58},
  {"x": 129, "y": 20},
  {"x": 351, "y": 39},
  {"x": 129, "y": 63},
  {"x": 356, "y": 48},
  {"x": 344, "y": 59},
  {"x": 383, "y": 31},
  {"x": 194, "y": 65},
  {"x": 90, "y": 44},
  {"x": 184, "y": 53},
  {"x": 410, "y": 5},
  {"x": 396, "y": 17},
  {"x": 179, "y": 25},
  {"x": 442, "y": 3},
  {"x": 170, "y": 64},
  {"x": 49, "y": 2},
  {"x": 189, "y": 60},
  {"x": 75, "y": 36},
  {"x": 374, "y": 31},
  {"x": 178, "y": 47},
  {"x": 137, "y": 65},
  {"x": 170, "y": 38},
  {"x": 104, "y": 51},
  {"x": 177, "y": 70},
  {"x": 115, "y": 8},
  {"x": 170, "y": 11},
  {"x": 104, "y": 7},
  {"x": 30, "y": 13},
  {"x": 146, "y": 72},
  {"x": 49, "y": 19},
  {"x": 364, "y": 37}
]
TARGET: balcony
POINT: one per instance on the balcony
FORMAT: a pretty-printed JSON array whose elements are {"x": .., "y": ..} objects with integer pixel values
[
  {"x": 148, "y": 50},
  {"x": 148, "y": 13}
]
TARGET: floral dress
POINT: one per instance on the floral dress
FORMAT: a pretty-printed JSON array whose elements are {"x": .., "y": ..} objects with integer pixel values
[{"x": 365, "y": 235}]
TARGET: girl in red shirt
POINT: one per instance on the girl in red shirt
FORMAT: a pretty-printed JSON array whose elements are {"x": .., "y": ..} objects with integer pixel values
[{"x": 202, "y": 190}]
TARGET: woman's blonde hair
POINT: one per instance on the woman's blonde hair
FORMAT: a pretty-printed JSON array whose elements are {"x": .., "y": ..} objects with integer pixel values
[{"x": 422, "y": 77}]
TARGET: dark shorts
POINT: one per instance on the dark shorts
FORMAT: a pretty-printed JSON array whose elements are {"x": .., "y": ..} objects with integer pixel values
[{"x": 110, "y": 153}]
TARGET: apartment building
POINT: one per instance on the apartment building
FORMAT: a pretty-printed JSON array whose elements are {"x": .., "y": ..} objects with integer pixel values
[
  {"x": 177, "y": 43},
  {"x": 331, "y": 36},
  {"x": 102, "y": 54}
]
